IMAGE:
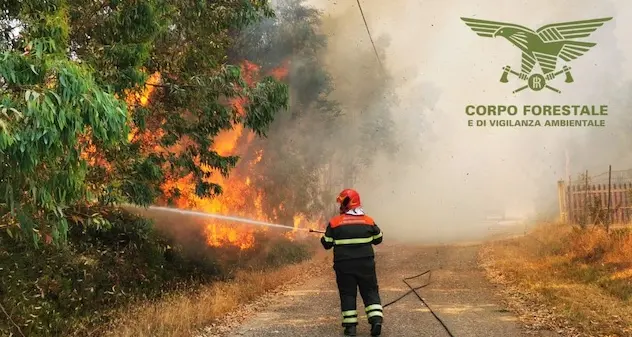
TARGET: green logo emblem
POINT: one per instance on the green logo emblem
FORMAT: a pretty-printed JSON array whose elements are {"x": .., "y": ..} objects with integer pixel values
[{"x": 543, "y": 47}]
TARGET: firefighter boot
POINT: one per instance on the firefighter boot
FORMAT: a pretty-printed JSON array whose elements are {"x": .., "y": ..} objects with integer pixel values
[
  {"x": 376, "y": 329},
  {"x": 350, "y": 330}
]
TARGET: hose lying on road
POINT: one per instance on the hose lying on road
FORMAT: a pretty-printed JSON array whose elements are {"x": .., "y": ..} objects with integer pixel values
[{"x": 414, "y": 290}]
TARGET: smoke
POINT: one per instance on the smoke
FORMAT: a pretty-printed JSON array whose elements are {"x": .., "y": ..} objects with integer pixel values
[
  {"x": 319, "y": 144},
  {"x": 446, "y": 176}
]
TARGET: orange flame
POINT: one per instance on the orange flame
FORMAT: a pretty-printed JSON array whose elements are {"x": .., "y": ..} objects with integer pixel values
[
  {"x": 281, "y": 72},
  {"x": 141, "y": 97},
  {"x": 239, "y": 198},
  {"x": 92, "y": 155}
]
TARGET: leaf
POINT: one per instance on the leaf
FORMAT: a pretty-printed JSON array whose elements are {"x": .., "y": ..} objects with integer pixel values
[
  {"x": 16, "y": 112},
  {"x": 83, "y": 100}
]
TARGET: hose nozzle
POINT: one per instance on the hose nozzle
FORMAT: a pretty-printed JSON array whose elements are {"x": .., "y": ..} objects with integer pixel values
[{"x": 311, "y": 230}]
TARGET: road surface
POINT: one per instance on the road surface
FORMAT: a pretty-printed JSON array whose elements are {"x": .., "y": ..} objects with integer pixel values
[{"x": 458, "y": 294}]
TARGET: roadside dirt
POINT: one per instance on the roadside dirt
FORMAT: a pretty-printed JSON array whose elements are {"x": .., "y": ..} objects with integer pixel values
[{"x": 459, "y": 294}]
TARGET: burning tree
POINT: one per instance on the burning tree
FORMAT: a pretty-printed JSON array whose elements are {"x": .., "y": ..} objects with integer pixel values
[
  {"x": 275, "y": 180},
  {"x": 292, "y": 175},
  {"x": 315, "y": 147},
  {"x": 296, "y": 149},
  {"x": 189, "y": 116},
  {"x": 69, "y": 140}
]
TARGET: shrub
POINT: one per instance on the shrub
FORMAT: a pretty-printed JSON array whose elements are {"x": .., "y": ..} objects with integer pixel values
[
  {"x": 68, "y": 290},
  {"x": 71, "y": 290},
  {"x": 284, "y": 251},
  {"x": 589, "y": 245}
]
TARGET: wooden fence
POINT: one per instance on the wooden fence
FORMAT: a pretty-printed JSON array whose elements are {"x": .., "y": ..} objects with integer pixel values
[{"x": 591, "y": 200}]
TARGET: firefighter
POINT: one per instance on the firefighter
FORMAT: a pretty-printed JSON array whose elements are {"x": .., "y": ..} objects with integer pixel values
[{"x": 352, "y": 234}]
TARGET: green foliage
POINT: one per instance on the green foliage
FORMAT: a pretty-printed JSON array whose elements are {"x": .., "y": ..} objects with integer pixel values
[
  {"x": 190, "y": 105},
  {"x": 64, "y": 96},
  {"x": 113, "y": 262},
  {"x": 68, "y": 290},
  {"x": 47, "y": 103}
]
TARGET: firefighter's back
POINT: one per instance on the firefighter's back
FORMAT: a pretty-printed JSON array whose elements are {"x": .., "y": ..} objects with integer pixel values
[{"x": 353, "y": 236}]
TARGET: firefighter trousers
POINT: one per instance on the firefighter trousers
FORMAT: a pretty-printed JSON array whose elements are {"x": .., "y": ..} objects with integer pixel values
[{"x": 352, "y": 275}]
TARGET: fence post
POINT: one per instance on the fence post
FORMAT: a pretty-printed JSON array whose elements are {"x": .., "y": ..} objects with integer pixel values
[
  {"x": 561, "y": 195},
  {"x": 571, "y": 213},
  {"x": 609, "y": 189},
  {"x": 585, "y": 208}
]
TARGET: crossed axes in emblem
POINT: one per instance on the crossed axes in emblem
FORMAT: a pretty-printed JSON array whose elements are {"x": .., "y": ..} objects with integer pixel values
[{"x": 536, "y": 82}]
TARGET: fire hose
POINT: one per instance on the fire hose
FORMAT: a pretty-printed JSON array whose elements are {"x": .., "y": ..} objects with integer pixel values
[
  {"x": 412, "y": 290},
  {"x": 261, "y": 223}
]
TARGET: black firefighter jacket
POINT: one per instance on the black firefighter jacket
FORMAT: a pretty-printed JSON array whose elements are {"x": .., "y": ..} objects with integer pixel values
[{"x": 351, "y": 236}]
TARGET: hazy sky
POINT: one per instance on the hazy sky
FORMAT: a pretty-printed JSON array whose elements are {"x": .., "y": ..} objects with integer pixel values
[{"x": 433, "y": 56}]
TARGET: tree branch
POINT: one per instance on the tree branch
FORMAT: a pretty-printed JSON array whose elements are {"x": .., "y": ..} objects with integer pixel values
[{"x": 11, "y": 320}]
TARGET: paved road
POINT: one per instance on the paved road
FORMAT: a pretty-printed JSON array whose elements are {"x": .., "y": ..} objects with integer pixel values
[{"x": 459, "y": 295}]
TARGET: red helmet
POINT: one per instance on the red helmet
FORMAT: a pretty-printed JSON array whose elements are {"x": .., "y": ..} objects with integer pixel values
[{"x": 348, "y": 199}]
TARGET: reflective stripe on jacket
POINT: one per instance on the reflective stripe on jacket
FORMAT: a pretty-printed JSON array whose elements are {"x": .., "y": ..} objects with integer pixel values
[{"x": 351, "y": 236}]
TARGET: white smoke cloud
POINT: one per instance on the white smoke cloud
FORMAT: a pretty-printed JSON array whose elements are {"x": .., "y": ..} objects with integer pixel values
[{"x": 449, "y": 174}]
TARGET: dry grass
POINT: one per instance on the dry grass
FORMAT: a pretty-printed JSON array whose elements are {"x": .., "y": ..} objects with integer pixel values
[
  {"x": 185, "y": 314},
  {"x": 578, "y": 283}
]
